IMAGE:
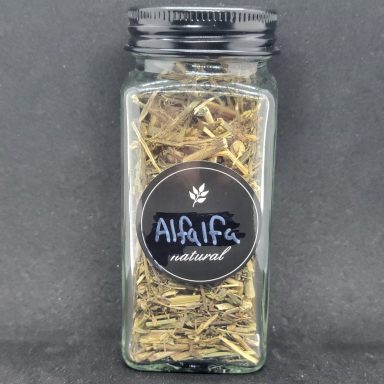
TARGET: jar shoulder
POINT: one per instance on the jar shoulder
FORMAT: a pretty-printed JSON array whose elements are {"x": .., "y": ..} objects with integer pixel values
[{"x": 138, "y": 82}]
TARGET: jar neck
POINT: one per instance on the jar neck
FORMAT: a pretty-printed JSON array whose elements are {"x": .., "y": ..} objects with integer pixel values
[{"x": 202, "y": 67}]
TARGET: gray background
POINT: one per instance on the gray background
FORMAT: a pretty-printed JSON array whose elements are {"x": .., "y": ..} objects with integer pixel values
[{"x": 61, "y": 66}]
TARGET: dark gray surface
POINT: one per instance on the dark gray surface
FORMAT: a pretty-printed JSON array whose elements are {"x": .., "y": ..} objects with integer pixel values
[{"x": 61, "y": 66}]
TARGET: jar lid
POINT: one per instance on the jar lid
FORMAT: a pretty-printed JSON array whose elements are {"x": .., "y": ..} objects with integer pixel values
[{"x": 207, "y": 31}]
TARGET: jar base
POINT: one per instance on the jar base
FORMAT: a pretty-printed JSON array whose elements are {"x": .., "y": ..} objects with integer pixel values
[{"x": 193, "y": 367}]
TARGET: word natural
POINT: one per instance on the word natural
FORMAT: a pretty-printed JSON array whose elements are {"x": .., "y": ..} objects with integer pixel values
[{"x": 194, "y": 256}]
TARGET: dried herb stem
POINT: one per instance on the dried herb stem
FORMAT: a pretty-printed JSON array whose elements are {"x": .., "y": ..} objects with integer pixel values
[{"x": 180, "y": 322}]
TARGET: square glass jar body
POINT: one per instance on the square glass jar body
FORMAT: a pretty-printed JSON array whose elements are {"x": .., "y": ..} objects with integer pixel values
[{"x": 192, "y": 109}]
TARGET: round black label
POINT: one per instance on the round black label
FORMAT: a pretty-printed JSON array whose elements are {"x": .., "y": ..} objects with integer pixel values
[{"x": 198, "y": 222}]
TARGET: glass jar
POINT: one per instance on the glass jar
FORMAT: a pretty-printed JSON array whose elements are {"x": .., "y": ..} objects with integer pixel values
[{"x": 198, "y": 143}]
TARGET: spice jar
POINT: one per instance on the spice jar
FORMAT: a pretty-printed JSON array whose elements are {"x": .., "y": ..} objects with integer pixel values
[{"x": 198, "y": 142}]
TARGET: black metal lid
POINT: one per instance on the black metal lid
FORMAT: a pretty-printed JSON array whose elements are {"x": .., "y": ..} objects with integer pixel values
[{"x": 207, "y": 31}]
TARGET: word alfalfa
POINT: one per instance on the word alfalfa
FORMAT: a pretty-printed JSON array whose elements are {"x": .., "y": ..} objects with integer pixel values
[{"x": 206, "y": 233}]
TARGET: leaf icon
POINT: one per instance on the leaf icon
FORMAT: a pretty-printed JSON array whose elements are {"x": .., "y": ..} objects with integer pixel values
[{"x": 198, "y": 196}]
